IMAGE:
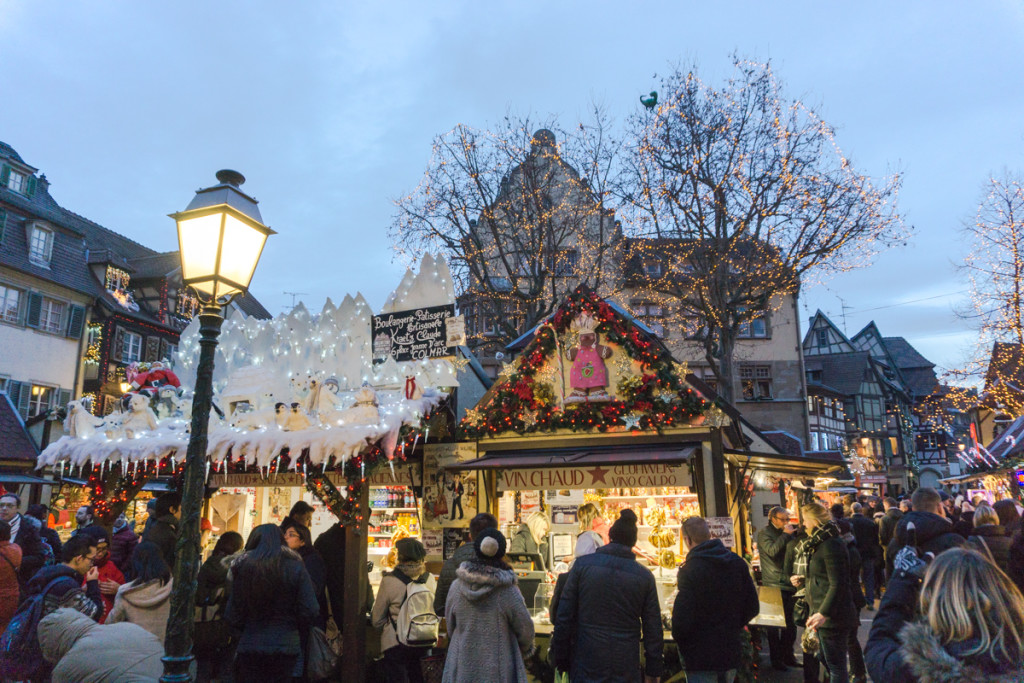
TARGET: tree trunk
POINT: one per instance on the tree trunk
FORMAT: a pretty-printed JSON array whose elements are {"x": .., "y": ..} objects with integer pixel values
[{"x": 727, "y": 366}]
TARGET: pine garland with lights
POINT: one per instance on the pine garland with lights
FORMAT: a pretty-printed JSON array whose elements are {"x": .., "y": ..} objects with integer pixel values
[
  {"x": 110, "y": 491},
  {"x": 523, "y": 403}
]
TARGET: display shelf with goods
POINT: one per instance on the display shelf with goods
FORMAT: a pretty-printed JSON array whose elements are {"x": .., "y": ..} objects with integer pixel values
[{"x": 393, "y": 516}]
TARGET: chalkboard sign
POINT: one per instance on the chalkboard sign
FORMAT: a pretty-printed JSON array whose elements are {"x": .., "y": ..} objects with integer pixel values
[{"x": 412, "y": 335}]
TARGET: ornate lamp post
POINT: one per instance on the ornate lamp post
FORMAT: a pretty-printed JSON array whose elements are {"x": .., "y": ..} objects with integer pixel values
[{"x": 221, "y": 236}]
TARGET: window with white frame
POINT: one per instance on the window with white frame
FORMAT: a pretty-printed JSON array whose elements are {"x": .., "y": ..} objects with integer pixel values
[
  {"x": 41, "y": 399},
  {"x": 756, "y": 381},
  {"x": 822, "y": 333},
  {"x": 51, "y": 316},
  {"x": 652, "y": 268},
  {"x": 17, "y": 182},
  {"x": 131, "y": 347},
  {"x": 10, "y": 301},
  {"x": 753, "y": 329},
  {"x": 40, "y": 246}
]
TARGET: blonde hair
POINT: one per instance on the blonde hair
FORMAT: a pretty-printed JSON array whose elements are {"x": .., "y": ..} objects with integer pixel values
[
  {"x": 965, "y": 596},
  {"x": 537, "y": 522},
  {"x": 985, "y": 514},
  {"x": 816, "y": 512},
  {"x": 587, "y": 513}
]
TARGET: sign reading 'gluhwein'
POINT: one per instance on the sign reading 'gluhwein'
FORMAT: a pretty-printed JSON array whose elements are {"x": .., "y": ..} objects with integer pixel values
[
  {"x": 412, "y": 335},
  {"x": 595, "y": 477}
]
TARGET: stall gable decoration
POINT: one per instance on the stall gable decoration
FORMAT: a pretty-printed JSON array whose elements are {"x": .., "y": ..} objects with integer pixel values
[{"x": 588, "y": 368}]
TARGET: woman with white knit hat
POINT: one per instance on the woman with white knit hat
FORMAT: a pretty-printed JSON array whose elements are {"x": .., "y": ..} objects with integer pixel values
[{"x": 490, "y": 631}]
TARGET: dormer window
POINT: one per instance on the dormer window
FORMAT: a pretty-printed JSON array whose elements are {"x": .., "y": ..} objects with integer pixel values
[
  {"x": 40, "y": 246},
  {"x": 16, "y": 182}
]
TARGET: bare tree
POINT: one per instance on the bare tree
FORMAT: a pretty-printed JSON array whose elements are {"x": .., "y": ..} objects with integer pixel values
[
  {"x": 746, "y": 196},
  {"x": 994, "y": 267},
  {"x": 520, "y": 213}
]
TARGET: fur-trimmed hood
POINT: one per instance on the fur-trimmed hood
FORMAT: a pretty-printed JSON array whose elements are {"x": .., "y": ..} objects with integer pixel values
[
  {"x": 930, "y": 662},
  {"x": 480, "y": 579}
]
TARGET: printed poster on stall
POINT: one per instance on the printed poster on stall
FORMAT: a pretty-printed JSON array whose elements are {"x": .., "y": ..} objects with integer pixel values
[
  {"x": 722, "y": 528},
  {"x": 433, "y": 542},
  {"x": 564, "y": 505},
  {"x": 449, "y": 494},
  {"x": 453, "y": 538}
]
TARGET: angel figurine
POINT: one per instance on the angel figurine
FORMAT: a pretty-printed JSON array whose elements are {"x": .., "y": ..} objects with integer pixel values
[{"x": 588, "y": 375}]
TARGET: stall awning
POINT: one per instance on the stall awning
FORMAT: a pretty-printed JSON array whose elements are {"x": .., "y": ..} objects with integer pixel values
[
  {"x": 15, "y": 479},
  {"x": 775, "y": 463},
  {"x": 587, "y": 456}
]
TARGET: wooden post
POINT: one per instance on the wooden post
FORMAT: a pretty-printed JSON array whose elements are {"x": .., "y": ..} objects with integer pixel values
[{"x": 357, "y": 586}]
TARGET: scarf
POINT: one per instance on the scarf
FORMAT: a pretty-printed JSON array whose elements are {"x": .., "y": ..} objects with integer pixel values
[
  {"x": 412, "y": 569},
  {"x": 807, "y": 547}
]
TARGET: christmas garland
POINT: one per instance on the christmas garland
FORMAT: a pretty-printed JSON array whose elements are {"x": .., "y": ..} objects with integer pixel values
[{"x": 523, "y": 403}]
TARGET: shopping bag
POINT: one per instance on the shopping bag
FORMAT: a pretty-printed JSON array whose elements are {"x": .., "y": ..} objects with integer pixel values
[{"x": 322, "y": 655}]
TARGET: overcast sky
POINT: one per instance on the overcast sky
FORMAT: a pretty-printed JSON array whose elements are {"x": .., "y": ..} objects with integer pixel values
[{"x": 329, "y": 109}]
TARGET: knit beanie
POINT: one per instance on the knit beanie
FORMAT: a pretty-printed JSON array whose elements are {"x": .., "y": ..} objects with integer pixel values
[
  {"x": 490, "y": 544},
  {"x": 624, "y": 529},
  {"x": 410, "y": 549}
]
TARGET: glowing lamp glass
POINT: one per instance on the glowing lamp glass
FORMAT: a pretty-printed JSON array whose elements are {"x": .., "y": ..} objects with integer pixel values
[{"x": 219, "y": 250}]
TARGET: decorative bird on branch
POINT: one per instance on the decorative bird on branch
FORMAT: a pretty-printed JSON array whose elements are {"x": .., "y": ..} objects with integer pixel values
[{"x": 650, "y": 101}]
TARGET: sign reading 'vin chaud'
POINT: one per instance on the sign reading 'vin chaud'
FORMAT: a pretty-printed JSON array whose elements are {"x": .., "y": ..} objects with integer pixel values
[
  {"x": 595, "y": 477},
  {"x": 412, "y": 335}
]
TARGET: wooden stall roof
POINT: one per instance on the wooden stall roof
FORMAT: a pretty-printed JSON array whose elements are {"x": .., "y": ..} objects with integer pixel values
[{"x": 775, "y": 463}]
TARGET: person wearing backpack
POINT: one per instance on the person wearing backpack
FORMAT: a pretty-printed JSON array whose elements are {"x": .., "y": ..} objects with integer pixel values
[{"x": 404, "y": 609}]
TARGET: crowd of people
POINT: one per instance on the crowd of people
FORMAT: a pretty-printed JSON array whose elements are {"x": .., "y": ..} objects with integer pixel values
[
  {"x": 948, "y": 573},
  {"x": 945, "y": 575}
]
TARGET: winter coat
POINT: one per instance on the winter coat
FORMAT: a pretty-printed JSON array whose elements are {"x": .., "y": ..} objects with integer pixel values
[
  {"x": 900, "y": 650},
  {"x": 164, "y": 532},
  {"x": 33, "y": 556},
  {"x": 331, "y": 546},
  {"x": 866, "y": 532},
  {"x": 213, "y": 577},
  {"x": 1016, "y": 561},
  {"x": 887, "y": 526},
  {"x": 317, "y": 570},
  {"x": 464, "y": 553},
  {"x": 86, "y": 652},
  {"x": 771, "y": 546},
  {"x": 859, "y": 601},
  {"x": 992, "y": 539},
  {"x": 52, "y": 539},
  {"x": 523, "y": 542},
  {"x": 146, "y": 604},
  {"x": 716, "y": 599},
  {"x": 828, "y": 581},
  {"x": 108, "y": 571},
  {"x": 934, "y": 534},
  {"x": 965, "y": 525},
  {"x": 608, "y": 603},
  {"x": 490, "y": 631},
  {"x": 390, "y": 597},
  {"x": 10, "y": 589},
  {"x": 275, "y": 628},
  {"x": 122, "y": 545},
  {"x": 67, "y": 592}
]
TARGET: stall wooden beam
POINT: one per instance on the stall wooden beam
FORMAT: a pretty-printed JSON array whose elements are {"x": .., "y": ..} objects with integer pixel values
[{"x": 357, "y": 585}]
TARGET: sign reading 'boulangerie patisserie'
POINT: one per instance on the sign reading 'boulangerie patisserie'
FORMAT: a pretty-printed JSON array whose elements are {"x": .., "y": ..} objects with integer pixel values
[{"x": 413, "y": 335}]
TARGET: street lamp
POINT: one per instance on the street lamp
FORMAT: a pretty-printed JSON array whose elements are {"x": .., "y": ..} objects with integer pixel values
[{"x": 220, "y": 236}]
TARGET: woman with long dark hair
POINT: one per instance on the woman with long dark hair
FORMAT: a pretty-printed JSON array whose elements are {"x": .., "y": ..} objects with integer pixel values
[
  {"x": 146, "y": 600},
  {"x": 213, "y": 642},
  {"x": 272, "y": 602},
  {"x": 298, "y": 537}
]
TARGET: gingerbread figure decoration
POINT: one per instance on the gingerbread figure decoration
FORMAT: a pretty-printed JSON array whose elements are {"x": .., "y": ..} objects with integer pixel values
[{"x": 588, "y": 375}]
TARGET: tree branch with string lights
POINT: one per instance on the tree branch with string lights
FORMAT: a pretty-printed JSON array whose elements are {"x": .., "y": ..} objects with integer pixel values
[
  {"x": 520, "y": 213},
  {"x": 743, "y": 195}
]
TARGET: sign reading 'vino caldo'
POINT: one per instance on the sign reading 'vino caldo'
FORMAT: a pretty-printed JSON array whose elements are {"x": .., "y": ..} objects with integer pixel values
[{"x": 413, "y": 335}]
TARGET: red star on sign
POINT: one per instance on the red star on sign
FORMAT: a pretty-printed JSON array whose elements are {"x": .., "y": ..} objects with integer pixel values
[{"x": 598, "y": 474}]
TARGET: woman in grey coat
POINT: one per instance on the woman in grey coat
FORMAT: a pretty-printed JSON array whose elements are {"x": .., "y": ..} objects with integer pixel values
[{"x": 490, "y": 631}]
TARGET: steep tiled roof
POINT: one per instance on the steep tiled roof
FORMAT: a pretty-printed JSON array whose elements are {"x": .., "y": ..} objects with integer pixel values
[
  {"x": 8, "y": 152},
  {"x": 843, "y": 372},
  {"x": 15, "y": 442},
  {"x": 905, "y": 355},
  {"x": 785, "y": 442}
]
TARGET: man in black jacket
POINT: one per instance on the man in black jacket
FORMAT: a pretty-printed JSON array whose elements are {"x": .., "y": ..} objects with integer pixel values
[
  {"x": 933, "y": 529},
  {"x": 866, "y": 532},
  {"x": 164, "y": 531},
  {"x": 716, "y": 599},
  {"x": 39, "y": 511},
  {"x": 887, "y": 525},
  {"x": 25, "y": 533},
  {"x": 771, "y": 545}
]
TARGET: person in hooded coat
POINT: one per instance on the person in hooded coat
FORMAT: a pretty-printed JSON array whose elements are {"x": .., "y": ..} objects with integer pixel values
[
  {"x": 933, "y": 631},
  {"x": 609, "y": 604},
  {"x": 122, "y": 543},
  {"x": 489, "y": 627},
  {"x": 83, "y": 651},
  {"x": 463, "y": 553},
  {"x": 990, "y": 538},
  {"x": 146, "y": 600},
  {"x": 933, "y": 529},
  {"x": 716, "y": 599}
]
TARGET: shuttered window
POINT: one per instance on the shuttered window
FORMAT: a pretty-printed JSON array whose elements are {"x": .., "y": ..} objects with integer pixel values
[
  {"x": 76, "y": 322},
  {"x": 51, "y": 316}
]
